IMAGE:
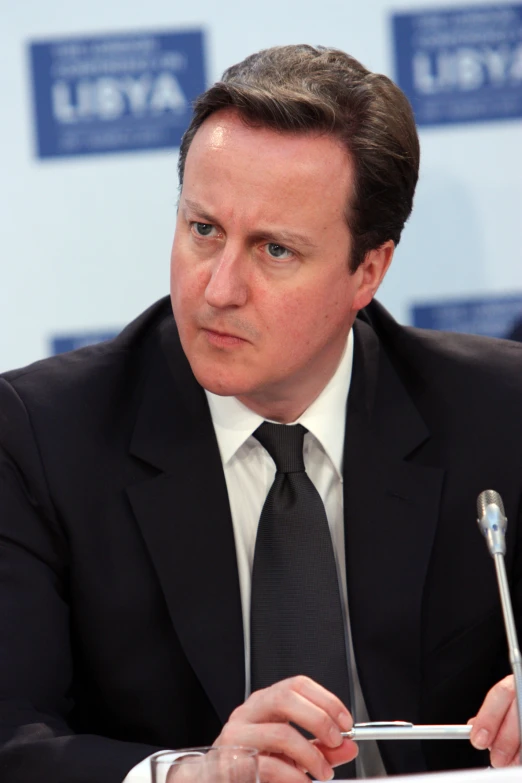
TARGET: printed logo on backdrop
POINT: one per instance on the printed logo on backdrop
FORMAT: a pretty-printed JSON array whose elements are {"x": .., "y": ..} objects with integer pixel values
[
  {"x": 70, "y": 342},
  {"x": 115, "y": 93},
  {"x": 461, "y": 65},
  {"x": 499, "y": 316}
]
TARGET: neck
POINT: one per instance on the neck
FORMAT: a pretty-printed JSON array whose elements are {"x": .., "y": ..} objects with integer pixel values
[
  {"x": 285, "y": 401},
  {"x": 282, "y": 411},
  {"x": 285, "y": 404}
]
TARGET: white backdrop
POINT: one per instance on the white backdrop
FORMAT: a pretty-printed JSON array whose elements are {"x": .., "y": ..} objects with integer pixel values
[{"x": 86, "y": 240}]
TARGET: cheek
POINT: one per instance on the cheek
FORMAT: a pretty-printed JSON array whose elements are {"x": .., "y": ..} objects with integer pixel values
[
  {"x": 292, "y": 320},
  {"x": 306, "y": 309},
  {"x": 187, "y": 280},
  {"x": 308, "y": 318}
]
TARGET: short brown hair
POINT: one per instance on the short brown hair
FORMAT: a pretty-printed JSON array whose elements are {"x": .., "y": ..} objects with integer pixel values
[{"x": 304, "y": 89}]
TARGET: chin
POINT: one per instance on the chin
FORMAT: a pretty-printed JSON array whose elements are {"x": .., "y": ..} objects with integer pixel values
[
  {"x": 222, "y": 382},
  {"x": 225, "y": 389}
]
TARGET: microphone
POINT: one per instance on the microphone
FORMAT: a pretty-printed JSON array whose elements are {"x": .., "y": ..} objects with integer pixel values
[{"x": 493, "y": 523}]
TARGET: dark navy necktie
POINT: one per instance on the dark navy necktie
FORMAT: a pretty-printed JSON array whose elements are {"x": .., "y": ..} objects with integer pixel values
[{"x": 296, "y": 616}]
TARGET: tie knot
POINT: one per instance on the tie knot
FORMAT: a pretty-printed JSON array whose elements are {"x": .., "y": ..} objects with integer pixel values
[{"x": 284, "y": 443}]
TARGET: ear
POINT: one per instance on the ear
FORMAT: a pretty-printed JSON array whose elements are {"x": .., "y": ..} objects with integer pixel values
[{"x": 371, "y": 273}]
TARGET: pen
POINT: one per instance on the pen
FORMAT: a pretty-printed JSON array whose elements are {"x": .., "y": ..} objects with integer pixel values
[{"x": 400, "y": 730}]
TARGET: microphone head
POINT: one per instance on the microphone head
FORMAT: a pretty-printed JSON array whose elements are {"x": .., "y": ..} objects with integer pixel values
[
  {"x": 487, "y": 498},
  {"x": 492, "y": 521}
]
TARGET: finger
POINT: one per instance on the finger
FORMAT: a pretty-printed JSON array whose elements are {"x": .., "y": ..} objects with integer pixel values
[
  {"x": 308, "y": 689},
  {"x": 323, "y": 698},
  {"x": 292, "y": 707},
  {"x": 341, "y": 755},
  {"x": 489, "y": 718},
  {"x": 281, "y": 739},
  {"x": 506, "y": 745},
  {"x": 302, "y": 701},
  {"x": 276, "y": 770}
]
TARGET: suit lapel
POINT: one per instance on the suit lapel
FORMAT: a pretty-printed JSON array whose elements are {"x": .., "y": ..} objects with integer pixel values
[
  {"x": 391, "y": 510},
  {"x": 184, "y": 515}
]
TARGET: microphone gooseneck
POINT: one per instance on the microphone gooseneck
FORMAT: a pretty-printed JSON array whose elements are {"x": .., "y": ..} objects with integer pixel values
[{"x": 492, "y": 522}]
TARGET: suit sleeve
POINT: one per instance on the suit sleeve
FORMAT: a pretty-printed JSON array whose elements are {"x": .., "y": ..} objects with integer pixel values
[{"x": 36, "y": 666}]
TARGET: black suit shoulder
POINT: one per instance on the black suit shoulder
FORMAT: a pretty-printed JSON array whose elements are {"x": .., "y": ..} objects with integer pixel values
[
  {"x": 88, "y": 390},
  {"x": 467, "y": 390},
  {"x": 449, "y": 362},
  {"x": 66, "y": 419},
  {"x": 59, "y": 378}
]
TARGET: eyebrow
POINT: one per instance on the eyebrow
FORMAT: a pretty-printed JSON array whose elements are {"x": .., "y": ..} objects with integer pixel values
[
  {"x": 277, "y": 236},
  {"x": 195, "y": 206}
]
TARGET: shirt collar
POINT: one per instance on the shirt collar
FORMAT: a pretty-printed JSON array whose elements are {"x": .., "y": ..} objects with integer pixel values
[{"x": 325, "y": 418}]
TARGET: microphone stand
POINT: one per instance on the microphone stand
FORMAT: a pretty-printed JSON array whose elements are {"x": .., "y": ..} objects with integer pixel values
[
  {"x": 515, "y": 658},
  {"x": 493, "y": 523}
]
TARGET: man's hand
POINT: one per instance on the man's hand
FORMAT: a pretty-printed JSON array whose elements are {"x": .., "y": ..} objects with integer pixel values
[
  {"x": 496, "y": 725},
  {"x": 263, "y": 722}
]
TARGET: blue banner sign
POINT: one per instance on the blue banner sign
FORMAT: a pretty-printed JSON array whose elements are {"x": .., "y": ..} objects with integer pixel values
[
  {"x": 70, "y": 342},
  {"x": 461, "y": 65},
  {"x": 492, "y": 316},
  {"x": 115, "y": 93}
]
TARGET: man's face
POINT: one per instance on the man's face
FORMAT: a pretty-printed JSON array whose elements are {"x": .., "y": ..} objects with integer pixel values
[{"x": 260, "y": 282}]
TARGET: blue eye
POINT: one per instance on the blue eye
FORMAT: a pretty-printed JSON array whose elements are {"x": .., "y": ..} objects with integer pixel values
[
  {"x": 277, "y": 251},
  {"x": 203, "y": 229}
]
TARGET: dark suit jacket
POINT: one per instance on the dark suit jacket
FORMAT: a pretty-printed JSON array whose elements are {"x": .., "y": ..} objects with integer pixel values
[{"x": 120, "y": 615}]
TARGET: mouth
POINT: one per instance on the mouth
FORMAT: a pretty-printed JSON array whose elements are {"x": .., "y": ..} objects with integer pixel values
[{"x": 223, "y": 339}]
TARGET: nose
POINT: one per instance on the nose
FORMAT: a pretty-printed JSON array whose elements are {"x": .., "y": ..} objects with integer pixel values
[{"x": 227, "y": 285}]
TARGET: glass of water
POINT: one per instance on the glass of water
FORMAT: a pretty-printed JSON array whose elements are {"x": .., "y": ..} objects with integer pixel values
[{"x": 220, "y": 764}]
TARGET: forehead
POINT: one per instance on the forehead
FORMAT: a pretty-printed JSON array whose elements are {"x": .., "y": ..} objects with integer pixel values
[{"x": 258, "y": 165}]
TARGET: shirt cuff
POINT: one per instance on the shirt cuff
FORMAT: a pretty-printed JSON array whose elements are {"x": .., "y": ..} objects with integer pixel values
[{"x": 141, "y": 772}]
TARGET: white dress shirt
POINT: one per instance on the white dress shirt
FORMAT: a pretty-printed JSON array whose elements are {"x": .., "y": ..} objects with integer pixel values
[{"x": 249, "y": 474}]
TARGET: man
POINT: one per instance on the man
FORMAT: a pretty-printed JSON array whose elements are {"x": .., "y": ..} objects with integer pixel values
[{"x": 134, "y": 474}]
